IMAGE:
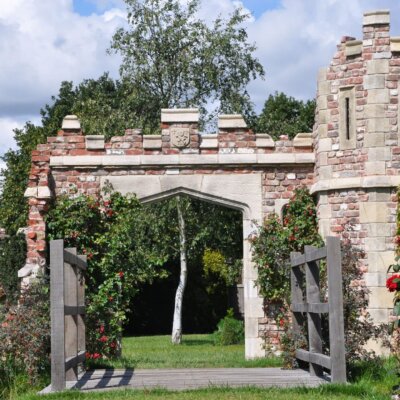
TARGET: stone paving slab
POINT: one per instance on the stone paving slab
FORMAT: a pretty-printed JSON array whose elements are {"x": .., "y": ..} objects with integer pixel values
[{"x": 185, "y": 379}]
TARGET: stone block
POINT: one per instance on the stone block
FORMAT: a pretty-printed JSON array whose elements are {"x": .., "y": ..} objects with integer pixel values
[
  {"x": 26, "y": 270},
  {"x": 375, "y": 167},
  {"x": 325, "y": 211},
  {"x": 374, "y": 111},
  {"x": 209, "y": 141},
  {"x": 324, "y": 227},
  {"x": 264, "y": 140},
  {"x": 254, "y": 348},
  {"x": 378, "y": 125},
  {"x": 373, "y": 212},
  {"x": 322, "y": 74},
  {"x": 322, "y": 102},
  {"x": 379, "y": 17},
  {"x": 377, "y": 67},
  {"x": 324, "y": 88},
  {"x": 353, "y": 48},
  {"x": 375, "y": 244},
  {"x": 325, "y": 145},
  {"x": 177, "y": 115},
  {"x": 94, "y": 142},
  {"x": 323, "y": 159},
  {"x": 322, "y": 131},
  {"x": 325, "y": 172},
  {"x": 378, "y": 96},
  {"x": 379, "y": 154},
  {"x": 303, "y": 140},
  {"x": 379, "y": 315},
  {"x": 31, "y": 192},
  {"x": 374, "y": 140},
  {"x": 44, "y": 192},
  {"x": 152, "y": 142},
  {"x": 379, "y": 229},
  {"x": 71, "y": 122},
  {"x": 395, "y": 44},
  {"x": 380, "y": 261},
  {"x": 231, "y": 121},
  {"x": 374, "y": 82},
  {"x": 252, "y": 327},
  {"x": 323, "y": 116},
  {"x": 375, "y": 279},
  {"x": 380, "y": 297}
]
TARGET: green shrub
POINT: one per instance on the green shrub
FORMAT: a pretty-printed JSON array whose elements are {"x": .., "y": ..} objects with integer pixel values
[
  {"x": 25, "y": 335},
  {"x": 12, "y": 258},
  {"x": 229, "y": 330}
]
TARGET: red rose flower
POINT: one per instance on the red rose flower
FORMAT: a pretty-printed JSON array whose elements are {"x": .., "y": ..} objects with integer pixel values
[
  {"x": 121, "y": 274},
  {"x": 103, "y": 339},
  {"x": 96, "y": 356},
  {"x": 392, "y": 283}
]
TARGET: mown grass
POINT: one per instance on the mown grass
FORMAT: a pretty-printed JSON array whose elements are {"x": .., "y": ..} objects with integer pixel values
[
  {"x": 370, "y": 381},
  {"x": 195, "y": 351}
]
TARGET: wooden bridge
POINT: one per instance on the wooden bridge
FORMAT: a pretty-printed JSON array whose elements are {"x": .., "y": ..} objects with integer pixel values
[{"x": 186, "y": 379}]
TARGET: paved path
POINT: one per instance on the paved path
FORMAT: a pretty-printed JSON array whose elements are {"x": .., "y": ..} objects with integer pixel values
[{"x": 183, "y": 379}]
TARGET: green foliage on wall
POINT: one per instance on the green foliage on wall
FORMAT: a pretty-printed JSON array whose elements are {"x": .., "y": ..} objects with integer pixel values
[{"x": 12, "y": 258}]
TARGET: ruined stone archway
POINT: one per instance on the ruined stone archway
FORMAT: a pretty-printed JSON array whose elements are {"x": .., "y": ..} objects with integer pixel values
[
  {"x": 217, "y": 190},
  {"x": 235, "y": 168}
]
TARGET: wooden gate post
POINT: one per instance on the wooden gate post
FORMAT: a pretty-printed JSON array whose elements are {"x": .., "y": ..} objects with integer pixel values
[
  {"x": 336, "y": 319},
  {"x": 67, "y": 295},
  {"x": 57, "y": 315}
]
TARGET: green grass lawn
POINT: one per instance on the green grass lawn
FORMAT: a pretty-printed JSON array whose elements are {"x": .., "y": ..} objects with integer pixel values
[
  {"x": 369, "y": 381},
  {"x": 195, "y": 351}
]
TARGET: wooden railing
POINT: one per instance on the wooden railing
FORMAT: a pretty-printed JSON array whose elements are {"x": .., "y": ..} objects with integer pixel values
[
  {"x": 309, "y": 304},
  {"x": 67, "y": 296}
]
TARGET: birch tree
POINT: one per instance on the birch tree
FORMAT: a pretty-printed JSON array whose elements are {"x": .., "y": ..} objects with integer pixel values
[{"x": 177, "y": 321}]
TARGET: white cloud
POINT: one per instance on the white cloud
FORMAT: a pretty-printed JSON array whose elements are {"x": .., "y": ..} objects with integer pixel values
[
  {"x": 43, "y": 43},
  {"x": 294, "y": 41}
]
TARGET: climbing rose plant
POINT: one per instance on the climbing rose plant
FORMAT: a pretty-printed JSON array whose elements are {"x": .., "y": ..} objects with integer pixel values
[
  {"x": 276, "y": 239},
  {"x": 393, "y": 285},
  {"x": 124, "y": 249},
  {"x": 271, "y": 251}
]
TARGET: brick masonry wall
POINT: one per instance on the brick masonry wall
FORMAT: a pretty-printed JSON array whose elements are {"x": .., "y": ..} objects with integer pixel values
[{"x": 357, "y": 151}]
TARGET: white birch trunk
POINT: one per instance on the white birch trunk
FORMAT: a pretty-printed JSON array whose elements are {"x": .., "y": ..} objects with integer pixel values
[{"x": 177, "y": 324}]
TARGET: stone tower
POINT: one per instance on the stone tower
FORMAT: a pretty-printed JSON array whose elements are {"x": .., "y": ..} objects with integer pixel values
[{"x": 356, "y": 140}]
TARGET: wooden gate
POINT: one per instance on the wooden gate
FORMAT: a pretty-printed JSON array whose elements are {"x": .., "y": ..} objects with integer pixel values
[
  {"x": 309, "y": 303},
  {"x": 67, "y": 294}
]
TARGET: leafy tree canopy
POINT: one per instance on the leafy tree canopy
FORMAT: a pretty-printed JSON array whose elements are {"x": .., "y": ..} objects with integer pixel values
[
  {"x": 284, "y": 115},
  {"x": 174, "y": 59}
]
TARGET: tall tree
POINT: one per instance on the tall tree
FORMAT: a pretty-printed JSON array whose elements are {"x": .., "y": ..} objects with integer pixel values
[
  {"x": 174, "y": 59},
  {"x": 284, "y": 115},
  {"x": 103, "y": 105}
]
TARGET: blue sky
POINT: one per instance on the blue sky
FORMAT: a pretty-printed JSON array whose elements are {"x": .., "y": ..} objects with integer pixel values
[{"x": 257, "y": 7}]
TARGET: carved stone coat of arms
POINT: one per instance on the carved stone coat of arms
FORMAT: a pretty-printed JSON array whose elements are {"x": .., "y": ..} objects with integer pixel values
[{"x": 180, "y": 137}]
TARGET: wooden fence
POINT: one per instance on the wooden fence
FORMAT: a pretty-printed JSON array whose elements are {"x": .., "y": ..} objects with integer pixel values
[
  {"x": 67, "y": 294},
  {"x": 310, "y": 305}
]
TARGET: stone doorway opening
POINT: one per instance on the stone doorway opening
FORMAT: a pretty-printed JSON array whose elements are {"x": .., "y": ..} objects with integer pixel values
[{"x": 214, "y": 235}]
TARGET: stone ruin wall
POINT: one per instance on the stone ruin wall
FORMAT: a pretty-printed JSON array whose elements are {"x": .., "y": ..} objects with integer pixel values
[
  {"x": 73, "y": 163},
  {"x": 351, "y": 163},
  {"x": 356, "y": 141}
]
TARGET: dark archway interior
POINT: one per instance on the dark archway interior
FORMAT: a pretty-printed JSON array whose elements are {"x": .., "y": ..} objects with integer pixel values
[{"x": 207, "y": 297}]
